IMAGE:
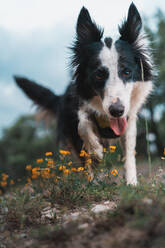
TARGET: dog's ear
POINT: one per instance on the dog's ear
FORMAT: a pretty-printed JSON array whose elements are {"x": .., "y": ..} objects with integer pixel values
[
  {"x": 131, "y": 27},
  {"x": 87, "y": 30}
]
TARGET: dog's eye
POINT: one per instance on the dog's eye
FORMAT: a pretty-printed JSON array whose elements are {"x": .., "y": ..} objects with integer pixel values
[
  {"x": 127, "y": 73},
  {"x": 101, "y": 75}
]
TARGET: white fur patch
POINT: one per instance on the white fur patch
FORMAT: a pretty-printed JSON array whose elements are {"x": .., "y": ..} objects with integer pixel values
[{"x": 115, "y": 88}]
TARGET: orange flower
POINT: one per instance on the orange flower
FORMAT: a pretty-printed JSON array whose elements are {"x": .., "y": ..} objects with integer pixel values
[
  {"x": 50, "y": 161},
  {"x": 114, "y": 172},
  {"x": 74, "y": 169},
  {"x": 112, "y": 148},
  {"x": 83, "y": 153},
  {"x": 34, "y": 176},
  {"x": 39, "y": 160},
  {"x": 66, "y": 172},
  {"x": 69, "y": 163},
  {"x": 63, "y": 152},
  {"x": 28, "y": 167},
  {"x": 52, "y": 174},
  {"x": 4, "y": 176},
  {"x": 48, "y": 154},
  {"x": 3, "y": 183},
  {"x": 35, "y": 171},
  {"x": 80, "y": 169},
  {"x": 11, "y": 182},
  {"x": 88, "y": 162},
  {"x": 45, "y": 173},
  {"x": 29, "y": 180},
  {"x": 89, "y": 178},
  {"x": 62, "y": 167}
]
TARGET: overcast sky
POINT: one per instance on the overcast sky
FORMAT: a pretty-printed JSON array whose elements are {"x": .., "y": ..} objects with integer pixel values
[{"x": 34, "y": 36}]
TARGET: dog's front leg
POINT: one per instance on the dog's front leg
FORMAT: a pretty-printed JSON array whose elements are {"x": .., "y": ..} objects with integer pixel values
[
  {"x": 130, "y": 144},
  {"x": 90, "y": 139}
]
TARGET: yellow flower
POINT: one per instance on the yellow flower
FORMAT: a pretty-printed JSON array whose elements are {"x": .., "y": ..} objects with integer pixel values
[
  {"x": 11, "y": 182},
  {"x": 63, "y": 152},
  {"x": 114, "y": 172},
  {"x": 48, "y": 154},
  {"x": 112, "y": 148},
  {"x": 74, "y": 169},
  {"x": 3, "y": 183},
  {"x": 80, "y": 169},
  {"x": 39, "y": 160},
  {"x": 69, "y": 163},
  {"x": 83, "y": 153},
  {"x": 28, "y": 167},
  {"x": 104, "y": 149}
]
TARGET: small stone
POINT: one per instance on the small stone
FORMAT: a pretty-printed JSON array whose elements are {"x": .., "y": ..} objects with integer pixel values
[
  {"x": 103, "y": 207},
  {"x": 23, "y": 235},
  {"x": 75, "y": 215},
  {"x": 83, "y": 226},
  {"x": 49, "y": 213},
  {"x": 147, "y": 201}
]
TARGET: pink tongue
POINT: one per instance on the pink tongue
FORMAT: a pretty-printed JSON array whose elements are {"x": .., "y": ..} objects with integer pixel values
[{"x": 118, "y": 125}]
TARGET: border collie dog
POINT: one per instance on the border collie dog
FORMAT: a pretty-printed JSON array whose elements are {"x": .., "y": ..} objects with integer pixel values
[{"x": 111, "y": 80}]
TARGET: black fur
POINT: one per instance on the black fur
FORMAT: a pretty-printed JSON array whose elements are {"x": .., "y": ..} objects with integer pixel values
[
  {"x": 130, "y": 30},
  {"x": 108, "y": 42},
  {"x": 39, "y": 94},
  {"x": 131, "y": 27},
  {"x": 90, "y": 76}
]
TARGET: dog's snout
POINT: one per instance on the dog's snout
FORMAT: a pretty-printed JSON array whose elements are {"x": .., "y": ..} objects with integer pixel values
[{"x": 116, "y": 109}]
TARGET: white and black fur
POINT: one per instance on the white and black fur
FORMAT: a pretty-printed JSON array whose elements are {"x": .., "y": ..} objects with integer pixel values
[{"x": 110, "y": 79}]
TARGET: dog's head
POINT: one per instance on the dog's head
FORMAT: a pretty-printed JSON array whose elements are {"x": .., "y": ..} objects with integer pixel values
[{"x": 105, "y": 70}]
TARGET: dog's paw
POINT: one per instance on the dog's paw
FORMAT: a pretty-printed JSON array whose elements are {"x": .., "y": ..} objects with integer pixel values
[
  {"x": 99, "y": 153},
  {"x": 132, "y": 181}
]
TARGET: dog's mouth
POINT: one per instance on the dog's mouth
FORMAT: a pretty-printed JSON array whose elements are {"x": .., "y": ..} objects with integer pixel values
[{"x": 118, "y": 125}]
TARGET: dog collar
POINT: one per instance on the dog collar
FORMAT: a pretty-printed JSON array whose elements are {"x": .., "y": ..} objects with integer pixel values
[
  {"x": 103, "y": 121},
  {"x": 103, "y": 126}
]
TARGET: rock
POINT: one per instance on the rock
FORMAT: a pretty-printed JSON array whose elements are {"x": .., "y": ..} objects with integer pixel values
[
  {"x": 147, "y": 201},
  {"x": 23, "y": 235},
  {"x": 108, "y": 205},
  {"x": 71, "y": 216},
  {"x": 83, "y": 226},
  {"x": 49, "y": 213}
]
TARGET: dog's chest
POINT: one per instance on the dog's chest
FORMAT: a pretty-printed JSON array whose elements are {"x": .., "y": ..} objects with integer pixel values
[{"x": 103, "y": 127}]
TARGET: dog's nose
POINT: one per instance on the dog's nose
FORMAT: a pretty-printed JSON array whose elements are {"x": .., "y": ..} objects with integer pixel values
[{"x": 116, "y": 109}]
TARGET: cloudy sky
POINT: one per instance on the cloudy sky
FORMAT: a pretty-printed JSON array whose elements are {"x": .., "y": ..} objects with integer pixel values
[{"x": 34, "y": 36}]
